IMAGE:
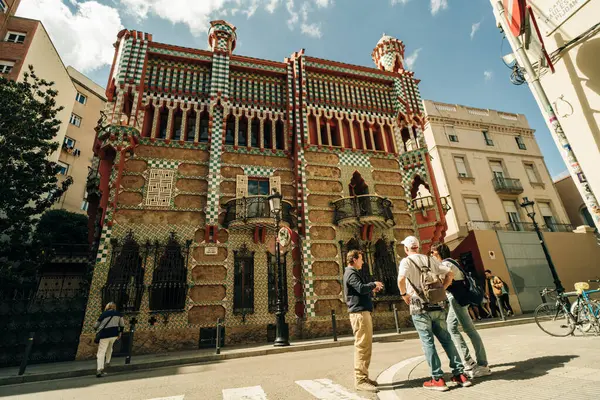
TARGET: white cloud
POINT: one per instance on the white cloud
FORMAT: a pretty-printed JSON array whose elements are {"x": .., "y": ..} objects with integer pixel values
[
  {"x": 474, "y": 29},
  {"x": 83, "y": 38},
  {"x": 293, "y": 20},
  {"x": 412, "y": 58},
  {"x": 488, "y": 75},
  {"x": 312, "y": 30},
  {"x": 437, "y": 5},
  {"x": 394, "y": 2},
  {"x": 323, "y": 3},
  {"x": 272, "y": 5}
]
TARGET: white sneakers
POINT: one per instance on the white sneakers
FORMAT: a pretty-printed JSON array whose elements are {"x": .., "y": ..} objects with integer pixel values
[{"x": 478, "y": 372}]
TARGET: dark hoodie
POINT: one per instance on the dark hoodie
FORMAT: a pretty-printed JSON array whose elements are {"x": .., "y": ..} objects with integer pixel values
[{"x": 358, "y": 293}]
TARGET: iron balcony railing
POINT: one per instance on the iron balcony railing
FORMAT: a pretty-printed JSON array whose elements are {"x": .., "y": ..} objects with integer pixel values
[
  {"x": 358, "y": 207},
  {"x": 484, "y": 225},
  {"x": 246, "y": 209},
  {"x": 559, "y": 227},
  {"x": 507, "y": 185},
  {"x": 522, "y": 227}
]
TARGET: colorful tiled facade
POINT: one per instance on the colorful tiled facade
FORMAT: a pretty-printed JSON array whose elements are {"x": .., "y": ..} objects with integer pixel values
[{"x": 197, "y": 140}]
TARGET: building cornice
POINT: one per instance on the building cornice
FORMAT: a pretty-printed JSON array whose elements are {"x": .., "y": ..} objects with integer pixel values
[{"x": 480, "y": 125}]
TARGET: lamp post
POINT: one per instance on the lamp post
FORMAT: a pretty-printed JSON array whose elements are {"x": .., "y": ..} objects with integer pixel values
[
  {"x": 282, "y": 332},
  {"x": 528, "y": 205}
]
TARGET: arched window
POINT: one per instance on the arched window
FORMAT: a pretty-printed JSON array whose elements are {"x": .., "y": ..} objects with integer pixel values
[
  {"x": 243, "y": 131},
  {"x": 335, "y": 132},
  {"x": 230, "y": 130},
  {"x": 405, "y": 137},
  {"x": 389, "y": 139},
  {"x": 346, "y": 134},
  {"x": 378, "y": 137},
  {"x": 312, "y": 129},
  {"x": 368, "y": 141},
  {"x": 385, "y": 267},
  {"x": 190, "y": 126},
  {"x": 243, "y": 281},
  {"x": 204, "y": 119},
  {"x": 357, "y": 135},
  {"x": 268, "y": 133},
  {"x": 279, "y": 136},
  {"x": 177, "y": 122},
  {"x": 163, "y": 119},
  {"x": 169, "y": 280},
  {"x": 323, "y": 132},
  {"x": 148, "y": 119},
  {"x": 255, "y": 132}
]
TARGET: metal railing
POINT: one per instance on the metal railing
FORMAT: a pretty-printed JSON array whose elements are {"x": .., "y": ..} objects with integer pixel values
[
  {"x": 559, "y": 227},
  {"x": 521, "y": 227},
  {"x": 253, "y": 207},
  {"x": 507, "y": 185},
  {"x": 484, "y": 225},
  {"x": 423, "y": 203},
  {"x": 362, "y": 206}
]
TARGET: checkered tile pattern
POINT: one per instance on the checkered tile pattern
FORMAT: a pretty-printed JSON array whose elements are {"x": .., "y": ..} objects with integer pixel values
[
  {"x": 355, "y": 159},
  {"x": 103, "y": 248},
  {"x": 220, "y": 75},
  {"x": 163, "y": 164},
  {"x": 257, "y": 66},
  {"x": 159, "y": 187},
  {"x": 214, "y": 167},
  {"x": 181, "y": 54},
  {"x": 374, "y": 74},
  {"x": 162, "y": 76},
  {"x": 258, "y": 171}
]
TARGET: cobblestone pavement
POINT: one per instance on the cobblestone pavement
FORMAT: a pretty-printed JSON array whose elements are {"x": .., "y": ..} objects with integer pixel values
[{"x": 527, "y": 364}]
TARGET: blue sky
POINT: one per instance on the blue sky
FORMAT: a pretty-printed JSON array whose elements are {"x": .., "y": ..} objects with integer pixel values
[{"x": 456, "y": 60}]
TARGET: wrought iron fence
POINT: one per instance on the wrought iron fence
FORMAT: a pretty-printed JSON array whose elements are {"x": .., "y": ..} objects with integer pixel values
[
  {"x": 362, "y": 206},
  {"x": 559, "y": 227},
  {"x": 507, "y": 185},
  {"x": 521, "y": 227},
  {"x": 483, "y": 225},
  {"x": 247, "y": 208}
]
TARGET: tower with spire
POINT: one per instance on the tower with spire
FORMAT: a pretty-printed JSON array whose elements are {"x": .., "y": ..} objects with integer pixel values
[{"x": 388, "y": 55}]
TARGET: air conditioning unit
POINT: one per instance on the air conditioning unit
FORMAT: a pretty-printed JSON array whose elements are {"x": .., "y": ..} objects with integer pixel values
[{"x": 453, "y": 138}]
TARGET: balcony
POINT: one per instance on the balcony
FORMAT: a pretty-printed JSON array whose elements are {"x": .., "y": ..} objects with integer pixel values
[
  {"x": 507, "y": 185},
  {"x": 250, "y": 211},
  {"x": 559, "y": 228},
  {"x": 358, "y": 210},
  {"x": 484, "y": 225},
  {"x": 522, "y": 227}
]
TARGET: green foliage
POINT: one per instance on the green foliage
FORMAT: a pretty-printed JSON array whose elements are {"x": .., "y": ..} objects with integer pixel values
[
  {"x": 62, "y": 227},
  {"x": 28, "y": 184}
]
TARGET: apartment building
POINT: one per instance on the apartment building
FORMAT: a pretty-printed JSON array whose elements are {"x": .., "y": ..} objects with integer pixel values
[
  {"x": 487, "y": 161},
  {"x": 77, "y": 148}
]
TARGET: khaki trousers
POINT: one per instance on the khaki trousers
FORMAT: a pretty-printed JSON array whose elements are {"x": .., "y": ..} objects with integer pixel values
[
  {"x": 362, "y": 327},
  {"x": 105, "y": 348}
]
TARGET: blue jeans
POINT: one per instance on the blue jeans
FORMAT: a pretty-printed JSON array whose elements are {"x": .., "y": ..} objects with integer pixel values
[
  {"x": 458, "y": 314},
  {"x": 428, "y": 325}
]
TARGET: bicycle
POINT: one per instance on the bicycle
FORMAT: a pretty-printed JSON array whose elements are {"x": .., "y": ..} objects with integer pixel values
[
  {"x": 556, "y": 318},
  {"x": 580, "y": 307}
]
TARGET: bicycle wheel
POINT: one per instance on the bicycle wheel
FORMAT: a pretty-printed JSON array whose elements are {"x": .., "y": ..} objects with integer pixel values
[
  {"x": 580, "y": 309},
  {"x": 552, "y": 319}
]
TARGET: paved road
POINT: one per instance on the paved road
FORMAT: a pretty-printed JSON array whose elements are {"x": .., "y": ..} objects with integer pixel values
[{"x": 526, "y": 364}]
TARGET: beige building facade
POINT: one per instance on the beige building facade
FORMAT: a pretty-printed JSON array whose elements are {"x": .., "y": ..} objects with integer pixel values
[
  {"x": 76, "y": 151},
  {"x": 570, "y": 34},
  {"x": 487, "y": 161}
]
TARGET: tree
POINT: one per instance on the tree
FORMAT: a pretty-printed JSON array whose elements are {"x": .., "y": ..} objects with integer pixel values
[
  {"x": 28, "y": 183},
  {"x": 60, "y": 227}
]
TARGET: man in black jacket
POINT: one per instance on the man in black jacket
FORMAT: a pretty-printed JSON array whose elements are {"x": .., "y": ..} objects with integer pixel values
[{"x": 360, "y": 306}]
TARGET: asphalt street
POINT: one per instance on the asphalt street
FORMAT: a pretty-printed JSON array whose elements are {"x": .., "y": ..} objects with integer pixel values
[{"x": 525, "y": 362}]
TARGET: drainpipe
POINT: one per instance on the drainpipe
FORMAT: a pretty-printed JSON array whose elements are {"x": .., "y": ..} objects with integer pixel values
[{"x": 544, "y": 104}]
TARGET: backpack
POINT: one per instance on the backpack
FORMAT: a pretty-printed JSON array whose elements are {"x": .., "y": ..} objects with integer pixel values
[
  {"x": 472, "y": 293},
  {"x": 432, "y": 288}
]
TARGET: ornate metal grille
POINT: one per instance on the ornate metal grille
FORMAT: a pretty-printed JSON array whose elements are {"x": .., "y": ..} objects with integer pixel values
[
  {"x": 243, "y": 281},
  {"x": 362, "y": 206},
  {"x": 125, "y": 282},
  {"x": 272, "y": 279},
  {"x": 168, "y": 290}
]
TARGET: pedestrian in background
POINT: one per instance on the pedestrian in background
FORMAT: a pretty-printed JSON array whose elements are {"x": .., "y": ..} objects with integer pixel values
[
  {"x": 108, "y": 328},
  {"x": 458, "y": 314},
  {"x": 425, "y": 295},
  {"x": 499, "y": 291},
  {"x": 360, "y": 306}
]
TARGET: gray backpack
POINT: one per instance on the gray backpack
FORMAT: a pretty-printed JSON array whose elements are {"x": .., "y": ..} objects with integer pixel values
[{"x": 432, "y": 287}]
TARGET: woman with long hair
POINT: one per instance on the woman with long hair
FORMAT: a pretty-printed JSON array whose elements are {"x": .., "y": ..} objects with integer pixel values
[{"x": 458, "y": 313}]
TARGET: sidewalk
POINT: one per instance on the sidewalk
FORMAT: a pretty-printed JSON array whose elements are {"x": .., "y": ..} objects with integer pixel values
[{"x": 72, "y": 369}]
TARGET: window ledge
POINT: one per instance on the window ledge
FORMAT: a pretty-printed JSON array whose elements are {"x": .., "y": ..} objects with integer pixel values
[
  {"x": 538, "y": 184},
  {"x": 466, "y": 178}
]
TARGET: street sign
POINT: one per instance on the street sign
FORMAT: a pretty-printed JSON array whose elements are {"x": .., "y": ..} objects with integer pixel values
[
  {"x": 514, "y": 10},
  {"x": 284, "y": 236},
  {"x": 211, "y": 251}
]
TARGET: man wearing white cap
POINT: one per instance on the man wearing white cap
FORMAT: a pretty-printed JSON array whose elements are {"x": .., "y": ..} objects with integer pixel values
[{"x": 425, "y": 293}]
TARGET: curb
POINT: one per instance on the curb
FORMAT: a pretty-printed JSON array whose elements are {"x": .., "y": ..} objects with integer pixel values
[{"x": 345, "y": 341}]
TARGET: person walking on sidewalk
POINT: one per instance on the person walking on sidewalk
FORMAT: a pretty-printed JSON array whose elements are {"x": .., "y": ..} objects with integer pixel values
[
  {"x": 458, "y": 314},
  {"x": 360, "y": 306},
  {"x": 499, "y": 291},
  {"x": 108, "y": 328},
  {"x": 425, "y": 295}
]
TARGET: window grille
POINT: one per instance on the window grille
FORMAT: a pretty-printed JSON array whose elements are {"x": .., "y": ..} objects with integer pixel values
[
  {"x": 272, "y": 280},
  {"x": 243, "y": 281}
]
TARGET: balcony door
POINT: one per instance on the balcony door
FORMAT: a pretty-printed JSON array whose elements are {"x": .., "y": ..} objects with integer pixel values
[
  {"x": 497, "y": 170},
  {"x": 257, "y": 207},
  {"x": 474, "y": 211},
  {"x": 548, "y": 217},
  {"x": 358, "y": 187},
  {"x": 513, "y": 216}
]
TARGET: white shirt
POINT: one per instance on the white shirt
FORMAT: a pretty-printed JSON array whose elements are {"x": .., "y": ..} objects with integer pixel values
[
  {"x": 458, "y": 275},
  {"x": 413, "y": 274}
]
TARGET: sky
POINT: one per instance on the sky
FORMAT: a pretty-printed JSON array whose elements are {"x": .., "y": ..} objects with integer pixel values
[{"x": 453, "y": 46}]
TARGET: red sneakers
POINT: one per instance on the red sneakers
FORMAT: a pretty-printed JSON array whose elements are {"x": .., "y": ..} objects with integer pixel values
[
  {"x": 462, "y": 380},
  {"x": 436, "y": 384}
]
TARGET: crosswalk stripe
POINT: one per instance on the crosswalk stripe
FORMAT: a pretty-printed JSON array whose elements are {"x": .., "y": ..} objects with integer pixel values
[
  {"x": 245, "y": 393},
  {"x": 325, "y": 389},
  {"x": 180, "y": 397}
]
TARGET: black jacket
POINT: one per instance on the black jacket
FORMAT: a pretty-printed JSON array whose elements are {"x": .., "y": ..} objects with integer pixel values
[{"x": 358, "y": 293}]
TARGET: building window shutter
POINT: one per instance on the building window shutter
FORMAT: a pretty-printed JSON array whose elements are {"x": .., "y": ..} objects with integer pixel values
[
  {"x": 275, "y": 183},
  {"x": 473, "y": 209},
  {"x": 241, "y": 187}
]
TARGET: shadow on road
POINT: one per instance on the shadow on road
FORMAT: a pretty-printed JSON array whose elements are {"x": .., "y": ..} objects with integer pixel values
[{"x": 516, "y": 371}]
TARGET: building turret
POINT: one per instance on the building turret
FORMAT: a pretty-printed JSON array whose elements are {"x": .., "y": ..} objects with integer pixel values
[
  {"x": 388, "y": 55},
  {"x": 222, "y": 37}
]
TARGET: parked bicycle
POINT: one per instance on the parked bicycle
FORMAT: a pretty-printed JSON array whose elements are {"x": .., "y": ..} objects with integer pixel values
[{"x": 560, "y": 318}]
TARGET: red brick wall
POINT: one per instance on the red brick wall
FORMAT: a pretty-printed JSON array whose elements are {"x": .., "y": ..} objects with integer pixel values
[{"x": 14, "y": 51}]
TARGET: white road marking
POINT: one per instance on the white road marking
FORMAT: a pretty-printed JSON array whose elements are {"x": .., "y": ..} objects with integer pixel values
[
  {"x": 387, "y": 377},
  {"x": 180, "y": 397},
  {"x": 325, "y": 389},
  {"x": 245, "y": 393}
]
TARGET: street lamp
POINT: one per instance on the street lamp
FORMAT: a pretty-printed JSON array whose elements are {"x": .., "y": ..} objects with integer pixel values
[
  {"x": 528, "y": 206},
  {"x": 282, "y": 332}
]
